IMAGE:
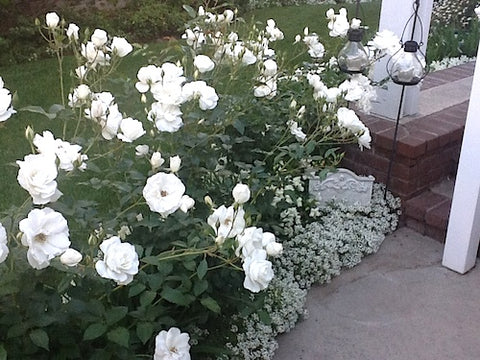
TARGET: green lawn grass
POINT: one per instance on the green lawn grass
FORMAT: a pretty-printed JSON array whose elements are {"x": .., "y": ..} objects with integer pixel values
[{"x": 37, "y": 83}]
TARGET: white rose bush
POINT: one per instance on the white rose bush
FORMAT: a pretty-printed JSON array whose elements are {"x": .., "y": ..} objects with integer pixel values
[{"x": 156, "y": 219}]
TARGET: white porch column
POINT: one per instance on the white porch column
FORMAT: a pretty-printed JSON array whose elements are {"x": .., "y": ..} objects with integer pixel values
[
  {"x": 463, "y": 232},
  {"x": 394, "y": 15}
]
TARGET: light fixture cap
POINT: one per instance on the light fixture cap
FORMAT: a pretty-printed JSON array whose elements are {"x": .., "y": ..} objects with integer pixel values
[{"x": 410, "y": 46}]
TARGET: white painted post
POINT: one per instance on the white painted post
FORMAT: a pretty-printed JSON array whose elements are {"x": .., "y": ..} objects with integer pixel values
[
  {"x": 463, "y": 232},
  {"x": 393, "y": 16}
]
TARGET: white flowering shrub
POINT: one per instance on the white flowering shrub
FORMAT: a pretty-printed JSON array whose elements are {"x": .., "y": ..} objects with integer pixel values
[{"x": 156, "y": 223}]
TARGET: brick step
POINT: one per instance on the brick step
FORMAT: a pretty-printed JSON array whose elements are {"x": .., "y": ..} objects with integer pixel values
[{"x": 428, "y": 214}]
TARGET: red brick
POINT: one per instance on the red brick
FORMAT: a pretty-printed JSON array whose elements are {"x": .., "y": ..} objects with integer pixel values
[
  {"x": 418, "y": 226},
  {"x": 438, "y": 216},
  {"x": 436, "y": 234},
  {"x": 411, "y": 147},
  {"x": 419, "y": 206}
]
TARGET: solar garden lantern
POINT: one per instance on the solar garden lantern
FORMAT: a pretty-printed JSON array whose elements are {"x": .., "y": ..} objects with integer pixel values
[
  {"x": 407, "y": 66},
  {"x": 353, "y": 58}
]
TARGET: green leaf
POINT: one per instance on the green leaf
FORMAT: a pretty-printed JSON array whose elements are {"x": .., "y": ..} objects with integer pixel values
[
  {"x": 40, "y": 338},
  {"x": 211, "y": 304},
  {"x": 16, "y": 330},
  {"x": 147, "y": 298},
  {"x": 136, "y": 289},
  {"x": 94, "y": 331},
  {"x": 120, "y": 336},
  {"x": 144, "y": 331},
  {"x": 202, "y": 269},
  {"x": 39, "y": 110},
  {"x": 176, "y": 296},
  {"x": 116, "y": 314},
  {"x": 200, "y": 287},
  {"x": 240, "y": 126},
  {"x": 3, "y": 353},
  {"x": 151, "y": 260},
  {"x": 190, "y": 11}
]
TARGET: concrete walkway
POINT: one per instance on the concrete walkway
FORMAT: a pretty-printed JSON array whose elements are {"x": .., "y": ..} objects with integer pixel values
[{"x": 398, "y": 304}]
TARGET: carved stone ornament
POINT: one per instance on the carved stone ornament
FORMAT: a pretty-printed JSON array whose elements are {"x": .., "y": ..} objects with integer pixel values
[{"x": 342, "y": 185}]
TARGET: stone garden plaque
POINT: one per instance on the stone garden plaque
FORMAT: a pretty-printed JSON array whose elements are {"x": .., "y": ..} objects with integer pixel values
[{"x": 342, "y": 185}]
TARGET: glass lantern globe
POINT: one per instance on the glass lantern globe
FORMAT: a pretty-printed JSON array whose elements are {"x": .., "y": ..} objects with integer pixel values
[
  {"x": 353, "y": 58},
  {"x": 407, "y": 66}
]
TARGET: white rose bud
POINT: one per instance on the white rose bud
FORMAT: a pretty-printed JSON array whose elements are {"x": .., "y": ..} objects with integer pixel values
[
  {"x": 71, "y": 257},
  {"x": 156, "y": 160},
  {"x": 83, "y": 92},
  {"x": 208, "y": 200},
  {"x": 52, "y": 20},
  {"x": 186, "y": 203},
  {"x": 175, "y": 163},
  {"x": 203, "y": 63},
  {"x": 72, "y": 31},
  {"x": 99, "y": 38},
  {"x": 121, "y": 46},
  {"x": 241, "y": 193}
]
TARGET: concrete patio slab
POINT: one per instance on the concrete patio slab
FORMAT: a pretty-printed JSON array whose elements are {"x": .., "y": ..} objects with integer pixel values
[{"x": 398, "y": 304}]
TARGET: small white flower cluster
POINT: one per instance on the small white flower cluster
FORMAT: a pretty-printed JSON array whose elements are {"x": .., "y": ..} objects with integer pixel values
[
  {"x": 102, "y": 109},
  {"x": 342, "y": 236},
  {"x": 252, "y": 244},
  {"x": 6, "y": 109},
  {"x": 449, "y": 62},
  {"x": 169, "y": 88}
]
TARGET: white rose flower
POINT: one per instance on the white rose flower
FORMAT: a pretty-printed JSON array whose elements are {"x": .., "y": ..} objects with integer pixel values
[
  {"x": 167, "y": 117},
  {"x": 175, "y": 163},
  {"x": 270, "y": 67},
  {"x": 297, "y": 131},
  {"x": 52, "y": 20},
  {"x": 349, "y": 120},
  {"x": 258, "y": 271},
  {"x": 227, "y": 222},
  {"x": 249, "y": 240},
  {"x": 172, "y": 344},
  {"x": 365, "y": 139},
  {"x": 72, "y": 31},
  {"x": 203, "y": 63},
  {"x": 99, "y": 38},
  {"x": 120, "y": 261},
  {"x": 121, "y": 46},
  {"x": 147, "y": 76},
  {"x": 93, "y": 55},
  {"x": 131, "y": 130},
  {"x": 355, "y": 23},
  {"x": 141, "y": 150},
  {"x": 37, "y": 175},
  {"x": 6, "y": 110},
  {"x": 241, "y": 193},
  {"x": 208, "y": 98},
  {"x": 163, "y": 193},
  {"x": 113, "y": 121},
  {"x": 274, "y": 249},
  {"x": 3, "y": 244},
  {"x": 71, "y": 257},
  {"x": 156, "y": 160},
  {"x": 45, "y": 232},
  {"x": 477, "y": 11}
]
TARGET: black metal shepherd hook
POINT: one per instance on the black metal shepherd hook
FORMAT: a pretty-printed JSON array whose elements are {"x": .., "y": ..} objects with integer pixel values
[{"x": 406, "y": 69}]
